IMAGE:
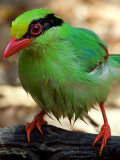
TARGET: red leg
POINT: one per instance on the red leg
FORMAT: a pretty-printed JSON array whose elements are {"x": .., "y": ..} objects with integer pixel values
[
  {"x": 37, "y": 122},
  {"x": 105, "y": 130}
]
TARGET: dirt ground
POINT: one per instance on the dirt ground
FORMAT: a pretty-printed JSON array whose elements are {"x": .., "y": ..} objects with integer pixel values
[{"x": 101, "y": 16}]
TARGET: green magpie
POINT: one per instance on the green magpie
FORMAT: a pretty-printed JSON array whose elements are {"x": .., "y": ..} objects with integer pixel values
[{"x": 66, "y": 70}]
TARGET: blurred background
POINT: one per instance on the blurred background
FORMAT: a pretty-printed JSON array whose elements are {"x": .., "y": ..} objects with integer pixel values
[{"x": 101, "y": 16}]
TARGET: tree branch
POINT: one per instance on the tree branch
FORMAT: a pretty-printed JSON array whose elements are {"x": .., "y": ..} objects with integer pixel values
[{"x": 55, "y": 144}]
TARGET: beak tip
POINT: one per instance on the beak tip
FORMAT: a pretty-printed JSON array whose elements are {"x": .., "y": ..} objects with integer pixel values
[
  {"x": 4, "y": 55},
  {"x": 14, "y": 46}
]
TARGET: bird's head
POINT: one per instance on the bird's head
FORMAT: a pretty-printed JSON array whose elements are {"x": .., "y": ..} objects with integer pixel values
[{"x": 29, "y": 26}]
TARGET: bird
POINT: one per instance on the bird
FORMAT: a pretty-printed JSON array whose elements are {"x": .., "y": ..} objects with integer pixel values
[{"x": 66, "y": 70}]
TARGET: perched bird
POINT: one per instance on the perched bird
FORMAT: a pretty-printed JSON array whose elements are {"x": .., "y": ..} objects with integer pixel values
[{"x": 66, "y": 70}]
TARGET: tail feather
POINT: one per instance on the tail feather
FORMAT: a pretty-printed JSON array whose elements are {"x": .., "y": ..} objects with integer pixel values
[{"x": 116, "y": 57}]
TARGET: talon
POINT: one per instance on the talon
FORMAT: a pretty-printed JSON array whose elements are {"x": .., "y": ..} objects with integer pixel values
[
  {"x": 94, "y": 143},
  {"x": 27, "y": 125},
  {"x": 38, "y": 125},
  {"x": 105, "y": 133},
  {"x": 28, "y": 135},
  {"x": 37, "y": 122},
  {"x": 105, "y": 142},
  {"x": 101, "y": 149},
  {"x": 97, "y": 138}
]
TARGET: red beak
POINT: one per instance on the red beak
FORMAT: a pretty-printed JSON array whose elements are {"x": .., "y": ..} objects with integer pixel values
[{"x": 14, "y": 46}]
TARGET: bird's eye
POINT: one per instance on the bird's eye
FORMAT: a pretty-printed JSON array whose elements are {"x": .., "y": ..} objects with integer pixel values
[{"x": 36, "y": 29}]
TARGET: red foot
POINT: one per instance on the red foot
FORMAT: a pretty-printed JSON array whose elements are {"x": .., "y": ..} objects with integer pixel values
[
  {"x": 37, "y": 122},
  {"x": 106, "y": 134}
]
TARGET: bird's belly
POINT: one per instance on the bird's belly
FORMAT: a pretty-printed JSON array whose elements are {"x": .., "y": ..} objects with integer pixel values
[{"x": 65, "y": 101}]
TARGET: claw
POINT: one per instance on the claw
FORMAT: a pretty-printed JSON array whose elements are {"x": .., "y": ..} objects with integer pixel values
[
  {"x": 97, "y": 138},
  {"x": 28, "y": 135},
  {"x": 38, "y": 125},
  {"x": 106, "y": 134},
  {"x": 27, "y": 125},
  {"x": 37, "y": 122},
  {"x": 101, "y": 149}
]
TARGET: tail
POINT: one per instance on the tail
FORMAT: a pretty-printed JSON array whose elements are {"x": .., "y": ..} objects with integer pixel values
[{"x": 116, "y": 57}]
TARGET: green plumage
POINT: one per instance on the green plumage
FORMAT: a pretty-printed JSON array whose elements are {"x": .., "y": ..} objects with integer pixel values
[{"x": 64, "y": 69}]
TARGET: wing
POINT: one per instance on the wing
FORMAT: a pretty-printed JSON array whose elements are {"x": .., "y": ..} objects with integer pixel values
[{"x": 90, "y": 49}]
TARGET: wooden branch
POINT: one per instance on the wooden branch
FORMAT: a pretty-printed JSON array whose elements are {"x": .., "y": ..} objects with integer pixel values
[{"x": 55, "y": 144}]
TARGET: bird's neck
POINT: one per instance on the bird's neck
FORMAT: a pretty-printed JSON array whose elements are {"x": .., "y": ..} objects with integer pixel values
[
  {"x": 46, "y": 62},
  {"x": 52, "y": 59}
]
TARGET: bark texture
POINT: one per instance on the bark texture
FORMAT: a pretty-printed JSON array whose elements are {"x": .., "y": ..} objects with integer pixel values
[{"x": 54, "y": 144}]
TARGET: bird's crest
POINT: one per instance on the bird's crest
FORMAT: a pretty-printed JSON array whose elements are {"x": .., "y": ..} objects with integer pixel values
[{"x": 21, "y": 24}]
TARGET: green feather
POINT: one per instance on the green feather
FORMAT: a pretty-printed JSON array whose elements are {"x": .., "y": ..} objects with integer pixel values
[
  {"x": 64, "y": 69},
  {"x": 116, "y": 57}
]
